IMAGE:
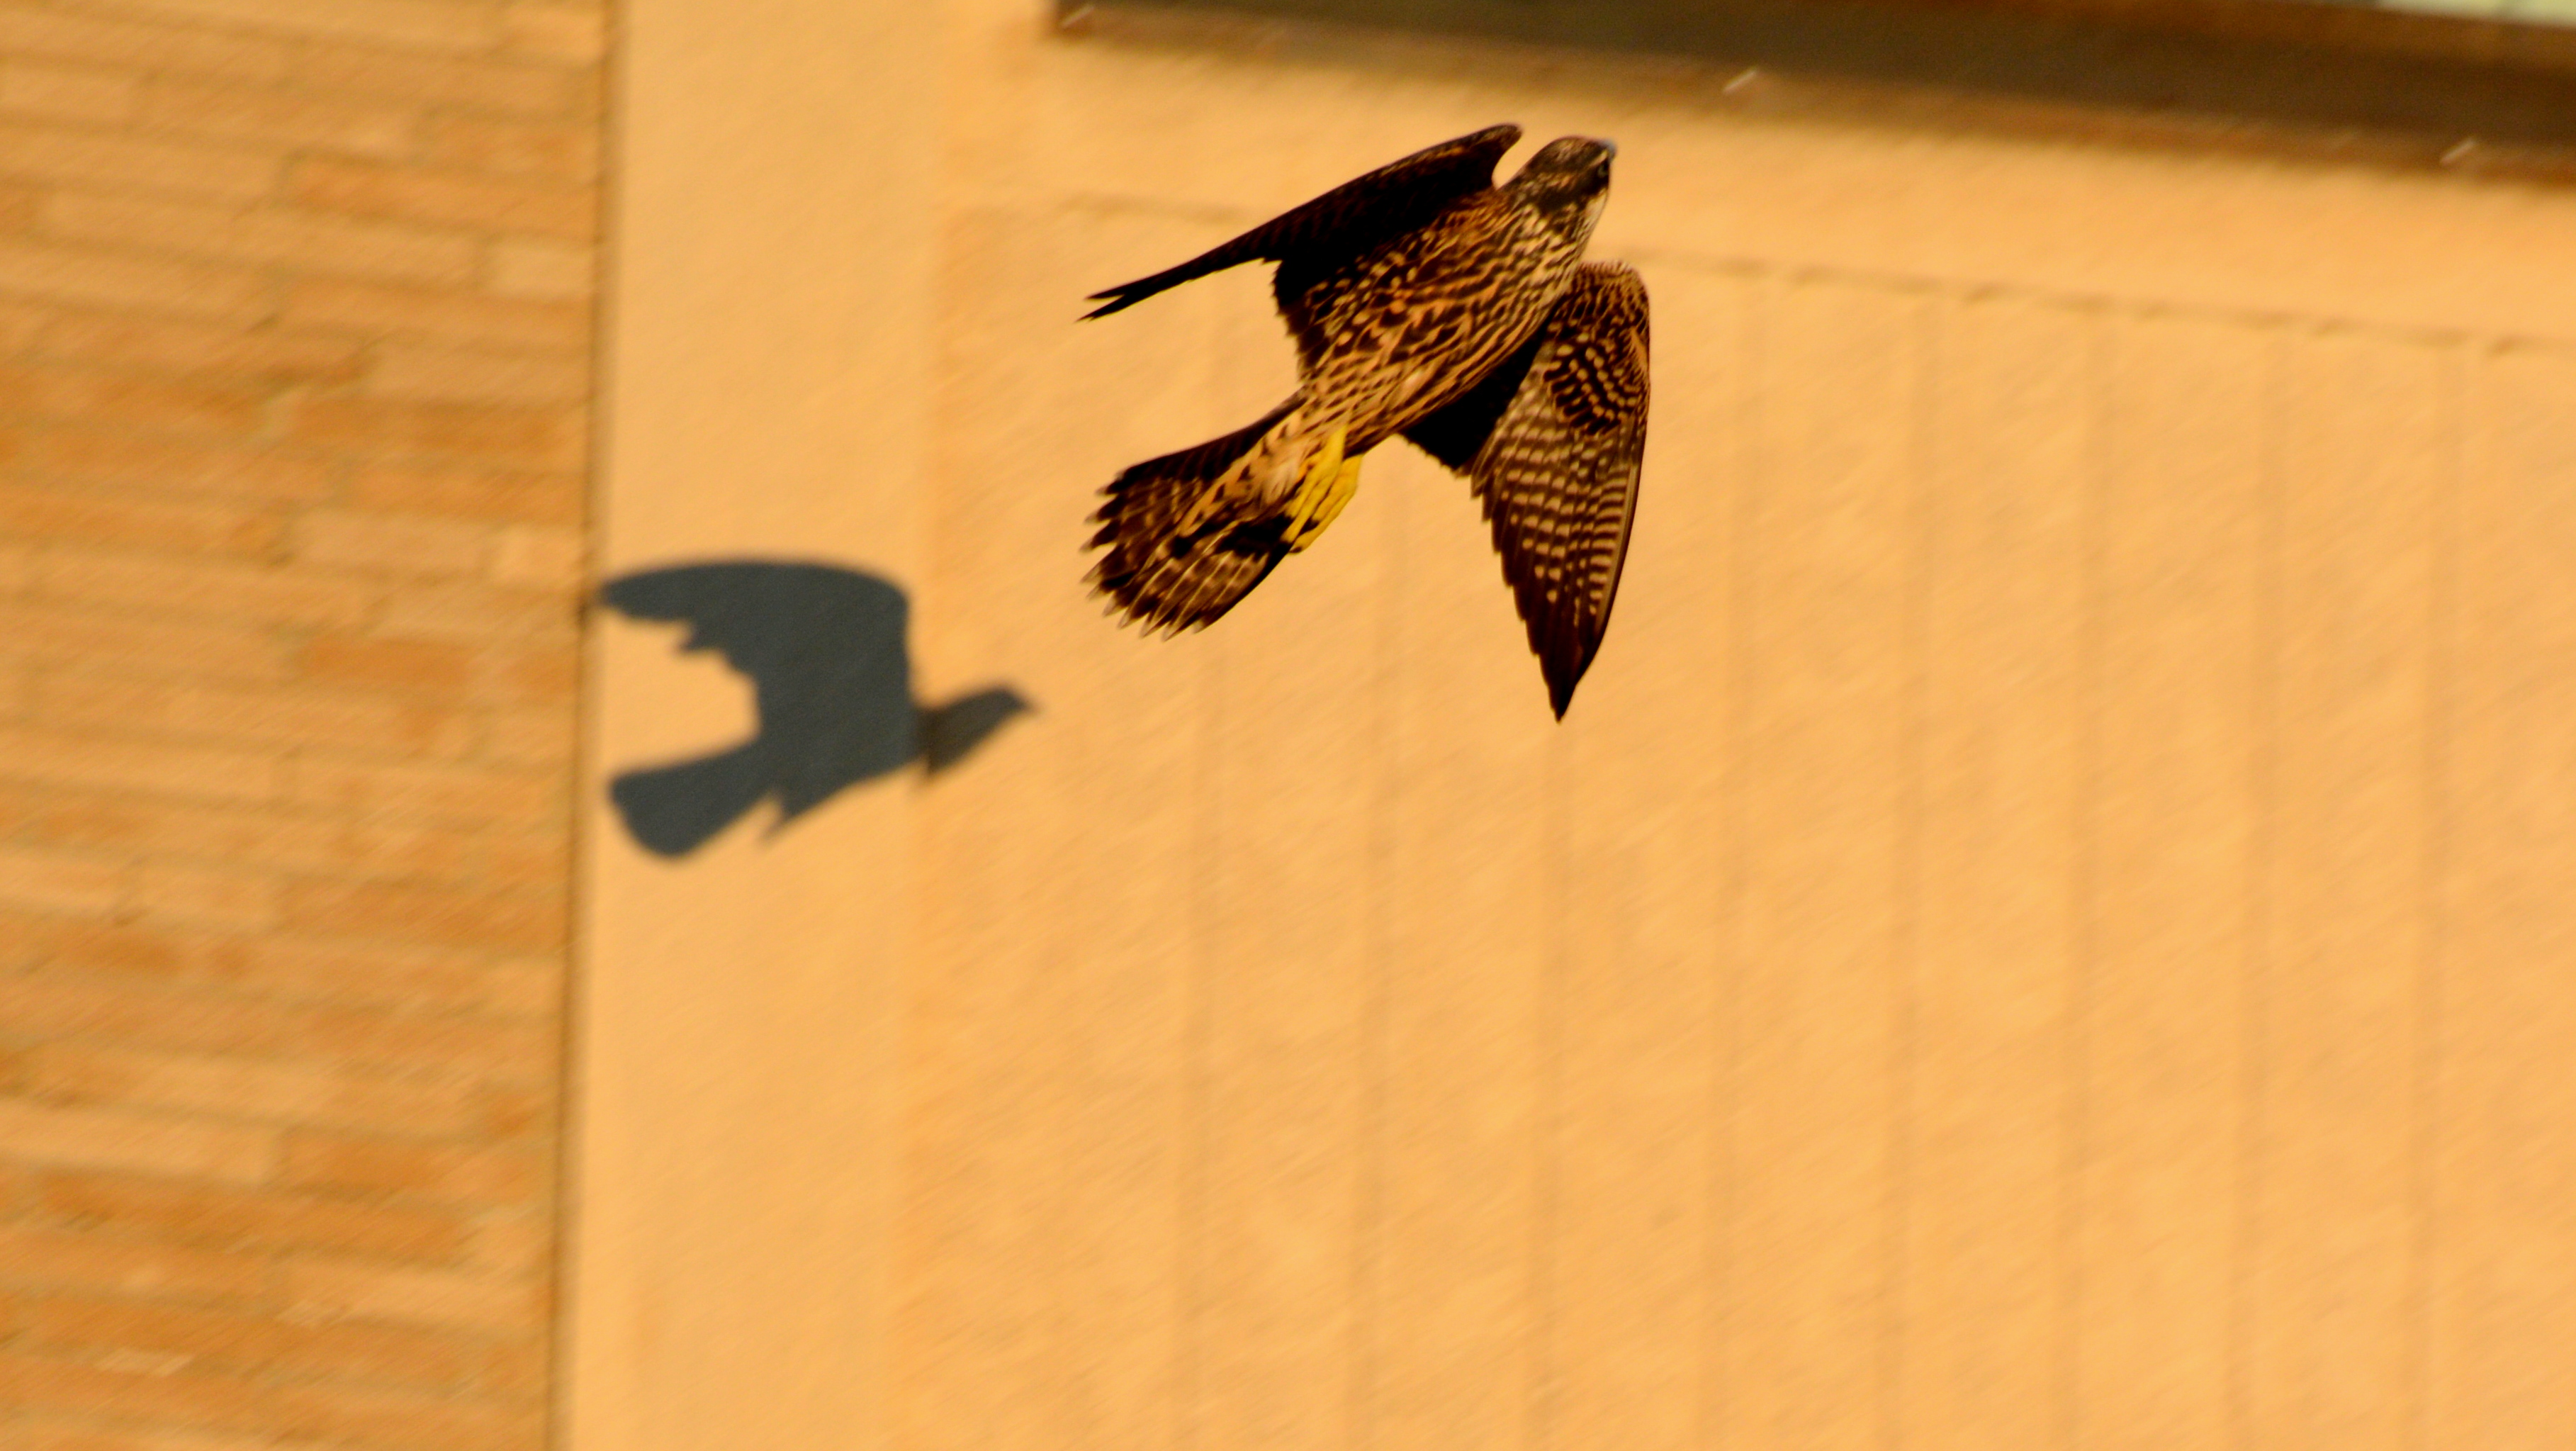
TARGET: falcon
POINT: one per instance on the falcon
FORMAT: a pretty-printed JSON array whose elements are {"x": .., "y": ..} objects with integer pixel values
[{"x": 1427, "y": 303}]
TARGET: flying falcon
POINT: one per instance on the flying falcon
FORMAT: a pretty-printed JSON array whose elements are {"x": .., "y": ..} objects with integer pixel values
[{"x": 1425, "y": 302}]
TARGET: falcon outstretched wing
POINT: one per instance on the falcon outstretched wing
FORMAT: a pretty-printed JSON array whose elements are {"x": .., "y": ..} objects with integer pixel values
[
  {"x": 1311, "y": 240},
  {"x": 1552, "y": 440}
]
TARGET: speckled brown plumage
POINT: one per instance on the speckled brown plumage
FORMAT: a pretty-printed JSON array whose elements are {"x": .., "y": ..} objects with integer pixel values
[
  {"x": 1558, "y": 471},
  {"x": 1424, "y": 301}
]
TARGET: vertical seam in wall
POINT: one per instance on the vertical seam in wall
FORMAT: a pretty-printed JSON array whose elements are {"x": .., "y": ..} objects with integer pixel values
[
  {"x": 896, "y": 1096},
  {"x": 572, "y": 1020},
  {"x": 1906, "y": 931},
  {"x": 1548, "y": 1042},
  {"x": 2085, "y": 941},
  {"x": 1725, "y": 1039},
  {"x": 2441, "y": 602},
  {"x": 2262, "y": 879},
  {"x": 1189, "y": 1250}
]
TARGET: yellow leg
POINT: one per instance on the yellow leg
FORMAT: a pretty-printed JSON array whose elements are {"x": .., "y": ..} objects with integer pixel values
[
  {"x": 1330, "y": 481},
  {"x": 1346, "y": 482}
]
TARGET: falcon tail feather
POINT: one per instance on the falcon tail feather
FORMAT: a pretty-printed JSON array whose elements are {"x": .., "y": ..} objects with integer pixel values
[{"x": 1175, "y": 559}]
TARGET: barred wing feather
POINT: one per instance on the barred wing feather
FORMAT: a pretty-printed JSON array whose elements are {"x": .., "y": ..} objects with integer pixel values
[{"x": 1558, "y": 473}]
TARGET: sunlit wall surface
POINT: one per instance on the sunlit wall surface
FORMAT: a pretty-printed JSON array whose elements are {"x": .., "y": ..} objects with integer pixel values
[{"x": 2046, "y": 926}]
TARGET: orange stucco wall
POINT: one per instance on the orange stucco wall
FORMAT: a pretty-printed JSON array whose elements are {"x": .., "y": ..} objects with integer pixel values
[{"x": 2048, "y": 924}]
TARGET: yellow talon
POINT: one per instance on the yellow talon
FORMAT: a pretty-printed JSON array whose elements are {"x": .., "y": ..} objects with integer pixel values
[{"x": 1330, "y": 481}]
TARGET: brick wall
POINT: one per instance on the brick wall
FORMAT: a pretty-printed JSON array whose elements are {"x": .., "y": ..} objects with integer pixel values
[{"x": 294, "y": 356}]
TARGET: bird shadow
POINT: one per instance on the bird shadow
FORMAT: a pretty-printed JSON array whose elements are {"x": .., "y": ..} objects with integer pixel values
[{"x": 831, "y": 675}]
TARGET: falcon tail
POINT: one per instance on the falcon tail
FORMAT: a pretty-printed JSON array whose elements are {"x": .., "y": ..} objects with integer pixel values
[{"x": 1164, "y": 576}]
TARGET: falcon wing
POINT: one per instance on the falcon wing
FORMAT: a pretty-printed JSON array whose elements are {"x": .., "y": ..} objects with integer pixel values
[
  {"x": 1313, "y": 239},
  {"x": 1552, "y": 441}
]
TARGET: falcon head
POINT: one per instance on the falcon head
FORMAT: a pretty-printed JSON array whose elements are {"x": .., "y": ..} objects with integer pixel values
[{"x": 1567, "y": 181}]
